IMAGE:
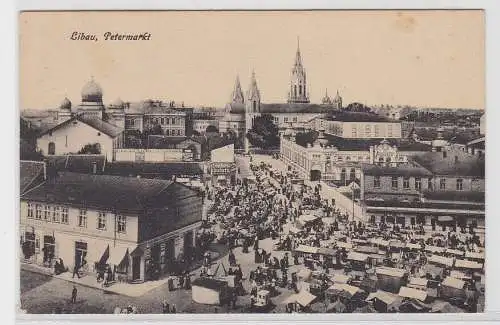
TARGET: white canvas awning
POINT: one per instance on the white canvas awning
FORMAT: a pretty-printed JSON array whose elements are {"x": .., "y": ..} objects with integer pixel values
[
  {"x": 117, "y": 254},
  {"x": 459, "y": 275},
  {"x": 387, "y": 297},
  {"x": 307, "y": 249},
  {"x": 453, "y": 283},
  {"x": 345, "y": 245},
  {"x": 422, "y": 282},
  {"x": 390, "y": 271},
  {"x": 341, "y": 278},
  {"x": 413, "y": 293},
  {"x": 435, "y": 249},
  {"x": 445, "y": 218},
  {"x": 455, "y": 252},
  {"x": 475, "y": 255},
  {"x": 304, "y": 274},
  {"x": 441, "y": 260},
  {"x": 355, "y": 256},
  {"x": 468, "y": 264},
  {"x": 307, "y": 218},
  {"x": 413, "y": 246},
  {"x": 304, "y": 298},
  {"x": 352, "y": 290},
  {"x": 379, "y": 241}
]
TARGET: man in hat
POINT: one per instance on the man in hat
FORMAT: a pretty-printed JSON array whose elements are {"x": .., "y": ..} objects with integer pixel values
[{"x": 73, "y": 295}]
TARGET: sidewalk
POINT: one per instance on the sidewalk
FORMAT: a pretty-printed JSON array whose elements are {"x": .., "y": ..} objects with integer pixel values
[{"x": 126, "y": 289}]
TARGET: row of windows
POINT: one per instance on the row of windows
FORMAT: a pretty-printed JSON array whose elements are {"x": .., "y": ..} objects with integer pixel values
[
  {"x": 166, "y": 120},
  {"x": 368, "y": 131},
  {"x": 418, "y": 183},
  {"x": 58, "y": 214},
  {"x": 286, "y": 119},
  {"x": 174, "y": 132},
  {"x": 50, "y": 214}
]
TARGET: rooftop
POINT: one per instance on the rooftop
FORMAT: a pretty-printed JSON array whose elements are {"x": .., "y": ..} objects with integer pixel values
[
  {"x": 349, "y": 144},
  {"x": 402, "y": 170},
  {"x": 77, "y": 163},
  {"x": 294, "y": 108},
  {"x": 154, "y": 170},
  {"x": 98, "y": 124},
  {"x": 346, "y": 116},
  {"x": 31, "y": 174},
  {"x": 455, "y": 163},
  {"x": 458, "y": 196},
  {"x": 124, "y": 194}
]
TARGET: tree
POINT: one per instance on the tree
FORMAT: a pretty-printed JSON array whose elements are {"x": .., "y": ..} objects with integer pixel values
[
  {"x": 303, "y": 138},
  {"x": 91, "y": 149},
  {"x": 358, "y": 107},
  {"x": 211, "y": 129},
  {"x": 264, "y": 133}
]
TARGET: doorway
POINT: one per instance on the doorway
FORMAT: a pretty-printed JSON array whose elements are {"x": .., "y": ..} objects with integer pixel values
[
  {"x": 315, "y": 175},
  {"x": 136, "y": 268},
  {"x": 80, "y": 254},
  {"x": 52, "y": 148}
]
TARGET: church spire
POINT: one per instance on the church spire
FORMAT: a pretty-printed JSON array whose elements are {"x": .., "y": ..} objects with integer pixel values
[
  {"x": 237, "y": 96},
  {"x": 298, "y": 57},
  {"x": 253, "y": 91}
]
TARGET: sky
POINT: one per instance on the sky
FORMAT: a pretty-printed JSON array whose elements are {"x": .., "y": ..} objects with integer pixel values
[{"x": 418, "y": 58}]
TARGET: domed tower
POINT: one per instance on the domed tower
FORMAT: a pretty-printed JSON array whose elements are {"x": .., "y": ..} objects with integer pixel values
[
  {"x": 64, "y": 112},
  {"x": 337, "y": 101},
  {"x": 298, "y": 84},
  {"x": 326, "y": 100},
  {"x": 116, "y": 113},
  {"x": 92, "y": 105}
]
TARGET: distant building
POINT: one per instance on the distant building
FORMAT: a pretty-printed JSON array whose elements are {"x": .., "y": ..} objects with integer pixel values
[
  {"x": 482, "y": 124},
  {"x": 358, "y": 125},
  {"x": 332, "y": 158},
  {"x": 297, "y": 112},
  {"x": 438, "y": 190},
  {"x": 200, "y": 124},
  {"x": 70, "y": 136},
  {"x": 135, "y": 225}
]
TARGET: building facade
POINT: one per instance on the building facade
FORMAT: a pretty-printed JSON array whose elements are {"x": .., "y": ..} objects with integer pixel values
[
  {"x": 359, "y": 126},
  {"x": 435, "y": 190},
  {"x": 90, "y": 220},
  {"x": 73, "y": 134}
]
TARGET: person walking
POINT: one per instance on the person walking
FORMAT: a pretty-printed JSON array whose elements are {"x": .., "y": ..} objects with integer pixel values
[
  {"x": 75, "y": 271},
  {"x": 73, "y": 295}
]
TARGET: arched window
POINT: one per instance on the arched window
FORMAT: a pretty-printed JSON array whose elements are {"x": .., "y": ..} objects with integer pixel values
[
  {"x": 52, "y": 148},
  {"x": 343, "y": 174},
  {"x": 254, "y": 106},
  {"x": 300, "y": 90},
  {"x": 295, "y": 91}
]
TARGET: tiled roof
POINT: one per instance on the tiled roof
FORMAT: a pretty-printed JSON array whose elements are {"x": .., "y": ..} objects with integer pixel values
[
  {"x": 150, "y": 107},
  {"x": 123, "y": 194},
  {"x": 402, "y": 170},
  {"x": 464, "y": 165},
  {"x": 98, "y": 124},
  {"x": 294, "y": 108},
  {"x": 77, "y": 163},
  {"x": 31, "y": 174},
  {"x": 346, "y": 116},
  {"x": 349, "y": 144},
  {"x": 154, "y": 170}
]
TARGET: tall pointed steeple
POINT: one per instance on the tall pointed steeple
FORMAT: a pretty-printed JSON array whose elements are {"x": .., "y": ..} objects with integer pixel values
[
  {"x": 298, "y": 57},
  {"x": 253, "y": 95},
  {"x": 298, "y": 86},
  {"x": 237, "y": 95},
  {"x": 326, "y": 100}
]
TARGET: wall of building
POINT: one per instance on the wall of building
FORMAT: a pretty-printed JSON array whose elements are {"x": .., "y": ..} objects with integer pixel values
[
  {"x": 148, "y": 155},
  {"x": 72, "y": 137},
  {"x": 67, "y": 234},
  {"x": 171, "y": 124},
  {"x": 200, "y": 125},
  {"x": 134, "y": 122}
]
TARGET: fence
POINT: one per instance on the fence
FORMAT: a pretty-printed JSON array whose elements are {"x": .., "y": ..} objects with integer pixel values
[{"x": 150, "y": 155}]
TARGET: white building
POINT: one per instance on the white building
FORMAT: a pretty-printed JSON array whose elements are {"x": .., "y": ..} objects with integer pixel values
[{"x": 73, "y": 134}]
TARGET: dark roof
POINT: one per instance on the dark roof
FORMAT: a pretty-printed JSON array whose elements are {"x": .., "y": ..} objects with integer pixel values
[
  {"x": 31, "y": 174},
  {"x": 154, "y": 170},
  {"x": 98, "y": 124},
  {"x": 123, "y": 194},
  {"x": 454, "y": 164},
  {"x": 209, "y": 283},
  {"x": 346, "y": 116},
  {"x": 294, "y": 108},
  {"x": 351, "y": 144},
  {"x": 150, "y": 107},
  {"x": 77, "y": 163},
  {"x": 402, "y": 170},
  {"x": 459, "y": 196}
]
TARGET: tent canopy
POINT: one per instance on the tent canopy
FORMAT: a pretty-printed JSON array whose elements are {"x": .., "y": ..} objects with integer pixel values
[
  {"x": 390, "y": 271},
  {"x": 413, "y": 293},
  {"x": 418, "y": 281},
  {"x": 355, "y": 256},
  {"x": 307, "y": 249},
  {"x": 117, "y": 254},
  {"x": 464, "y": 264},
  {"x": 445, "y": 218},
  {"x": 435, "y": 249},
  {"x": 342, "y": 244},
  {"x": 453, "y": 283},
  {"x": 441, "y": 260},
  {"x": 475, "y": 255}
]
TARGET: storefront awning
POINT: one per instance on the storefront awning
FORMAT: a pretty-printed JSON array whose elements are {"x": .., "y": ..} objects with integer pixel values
[
  {"x": 445, "y": 218},
  {"x": 117, "y": 255}
]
